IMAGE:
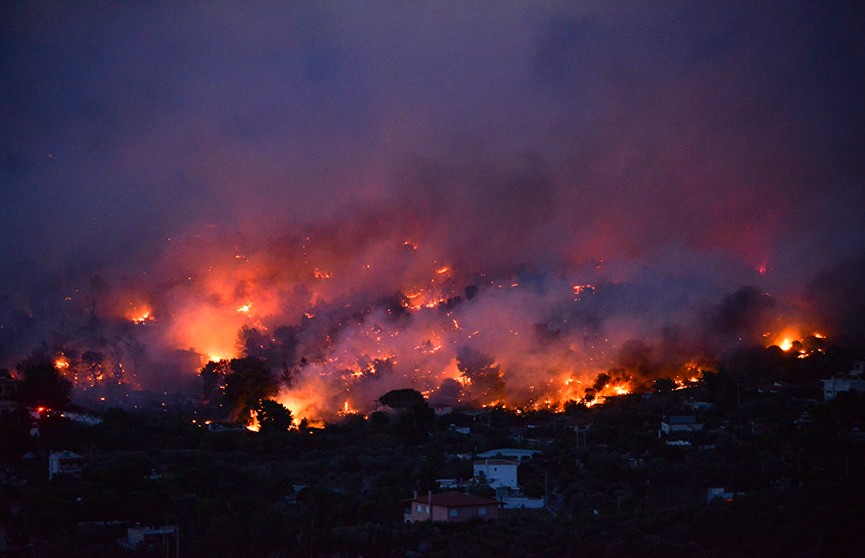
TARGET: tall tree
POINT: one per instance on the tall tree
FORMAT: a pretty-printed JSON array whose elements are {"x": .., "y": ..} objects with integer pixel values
[
  {"x": 42, "y": 385},
  {"x": 273, "y": 416},
  {"x": 248, "y": 382}
]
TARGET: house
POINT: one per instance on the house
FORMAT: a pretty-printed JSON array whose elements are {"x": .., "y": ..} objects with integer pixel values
[
  {"x": 164, "y": 537},
  {"x": 679, "y": 424},
  {"x": 700, "y": 405},
  {"x": 833, "y": 386},
  {"x": 722, "y": 494},
  {"x": 501, "y": 474},
  {"x": 519, "y": 501},
  {"x": 497, "y": 472},
  {"x": 509, "y": 453},
  {"x": 448, "y": 483},
  {"x": 452, "y": 507},
  {"x": 65, "y": 463}
]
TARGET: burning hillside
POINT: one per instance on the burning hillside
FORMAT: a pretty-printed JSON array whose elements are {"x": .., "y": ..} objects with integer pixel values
[
  {"x": 338, "y": 322},
  {"x": 519, "y": 206}
]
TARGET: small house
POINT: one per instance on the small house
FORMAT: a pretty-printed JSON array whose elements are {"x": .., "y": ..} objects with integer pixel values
[
  {"x": 451, "y": 507},
  {"x": 497, "y": 472},
  {"x": 65, "y": 463},
  {"x": 679, "y": 424}
]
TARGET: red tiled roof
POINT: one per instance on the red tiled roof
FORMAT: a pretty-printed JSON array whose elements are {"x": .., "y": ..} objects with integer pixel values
[{"x": 455, "y": 500}]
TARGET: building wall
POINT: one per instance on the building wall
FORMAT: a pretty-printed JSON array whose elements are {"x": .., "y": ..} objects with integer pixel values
[
  {"x": 464, "y": 513},
  {"x": 421, "y": 511},
  {"x": 833, "y": 386},
  {"x": 497, "y": 474}
]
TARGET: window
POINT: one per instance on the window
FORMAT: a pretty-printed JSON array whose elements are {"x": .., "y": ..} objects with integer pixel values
[
  {"x": 482, "y": 511},
  {"x": 426, "y": 509},
  {"x": 418, "y": 507},
  {"x": 453, "y": 512}
]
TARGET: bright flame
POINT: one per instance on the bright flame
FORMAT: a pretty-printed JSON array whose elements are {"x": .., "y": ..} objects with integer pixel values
[{"x": 253, "y": 423}]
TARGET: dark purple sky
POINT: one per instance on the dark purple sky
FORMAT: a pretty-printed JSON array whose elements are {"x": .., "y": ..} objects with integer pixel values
[{"x": 541, "y": 133}]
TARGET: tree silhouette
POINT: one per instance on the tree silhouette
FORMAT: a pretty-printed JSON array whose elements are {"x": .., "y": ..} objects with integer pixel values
[{"x": 42, "y": 385}]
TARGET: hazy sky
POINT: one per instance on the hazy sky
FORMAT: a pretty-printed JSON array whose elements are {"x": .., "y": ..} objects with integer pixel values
[{"x": 548, "y": 133}]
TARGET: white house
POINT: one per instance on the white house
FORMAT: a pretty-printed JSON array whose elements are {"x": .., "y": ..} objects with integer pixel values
[
  {"x": 833, "y": 386},
  {"x": 679, "y": 424},
  {"x": 64, "y": 463},
  {"x": 499, "y": 473}
]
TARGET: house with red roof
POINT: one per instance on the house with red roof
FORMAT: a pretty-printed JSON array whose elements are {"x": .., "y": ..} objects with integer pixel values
[{"x": 451, "y": 507}]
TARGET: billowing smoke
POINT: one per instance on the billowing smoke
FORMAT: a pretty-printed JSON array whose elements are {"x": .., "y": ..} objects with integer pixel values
[{"x": 486, "y": 204}]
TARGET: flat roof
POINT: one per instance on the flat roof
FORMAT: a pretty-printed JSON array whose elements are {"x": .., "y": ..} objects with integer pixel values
[{"x": 454, "y": 500}]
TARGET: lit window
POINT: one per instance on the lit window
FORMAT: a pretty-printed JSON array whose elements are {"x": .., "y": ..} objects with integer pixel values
[
  {"x": 418, "y": 507},
  {"x": 426, "y": 509},
  {"x": 482, "y": 511},
  {"x": 453, "y": 512}
]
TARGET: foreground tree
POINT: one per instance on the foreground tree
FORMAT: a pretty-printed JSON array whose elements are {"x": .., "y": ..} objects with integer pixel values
[
  {"x": 42, "y": 385},
  {"x": 415, "y": 416},
  {"x": 241, "y": 384},
  {"x": 273, "y": 416}
]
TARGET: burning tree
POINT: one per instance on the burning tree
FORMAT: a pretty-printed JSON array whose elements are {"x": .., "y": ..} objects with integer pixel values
[
  {"x": 241, "y": 384},
  {"x": 273, "y": 416},
  {"x": 483, "y": 375}
]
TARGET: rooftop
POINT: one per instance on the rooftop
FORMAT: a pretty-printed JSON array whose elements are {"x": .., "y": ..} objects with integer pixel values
[
  {"x": 508, "y": 452},
  {"x": 454, "y": 500},
  {"x": 495, "y": 462}
]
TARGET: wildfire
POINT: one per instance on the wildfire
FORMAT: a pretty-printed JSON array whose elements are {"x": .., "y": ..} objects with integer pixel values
[
  {"x": 339, "y": 346},
  {"x": 139, "y": 315},
  {"x": 791, "y": 340},
  {"x": 253, "y": 423},
  {"x": 61, "y": 363}
]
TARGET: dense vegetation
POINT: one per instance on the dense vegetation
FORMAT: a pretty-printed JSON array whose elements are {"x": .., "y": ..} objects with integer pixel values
[{"x": 796, "y": 463}]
